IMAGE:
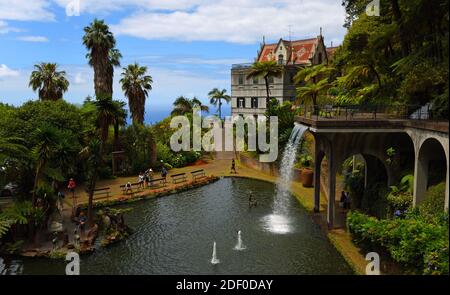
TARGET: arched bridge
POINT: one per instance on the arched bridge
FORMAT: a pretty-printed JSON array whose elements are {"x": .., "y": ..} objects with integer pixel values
[{"x": 342, "y": 133}]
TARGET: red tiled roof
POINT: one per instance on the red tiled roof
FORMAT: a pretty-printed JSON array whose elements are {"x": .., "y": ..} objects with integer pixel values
[
  {"x": 331, "y": 51},
  {"x": 302, "y": 50}
]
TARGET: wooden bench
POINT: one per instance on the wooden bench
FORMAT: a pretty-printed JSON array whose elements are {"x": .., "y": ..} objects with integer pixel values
[
  {"x": 160, "y": 181},
  {"x": 102, "y": 191},
  {"x": 179, "y": 178},
  {"x": 198, "y": 174},
  {"x": 135, "y": 185}
]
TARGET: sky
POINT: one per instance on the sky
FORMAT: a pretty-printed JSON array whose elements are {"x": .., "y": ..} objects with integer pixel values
[{"x": 187, "y": 45}]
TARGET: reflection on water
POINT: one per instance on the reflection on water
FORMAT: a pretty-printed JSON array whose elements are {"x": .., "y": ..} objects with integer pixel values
[{"x": 175, "y": 235}]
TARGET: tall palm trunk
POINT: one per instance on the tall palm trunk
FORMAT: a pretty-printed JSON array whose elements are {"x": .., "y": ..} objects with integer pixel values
[
  {"x": 36, "y": 180},
  {"x": 220, "y": 108},
  {"x": 102, "y": 74}
]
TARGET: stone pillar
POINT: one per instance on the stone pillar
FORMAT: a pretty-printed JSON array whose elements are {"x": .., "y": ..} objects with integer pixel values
[
  {"x": 331, "y": 187},
  {"x": 317, "y": 163},
  {"x": 446, "y": 190},
  {"x": 420, "y": 177}
]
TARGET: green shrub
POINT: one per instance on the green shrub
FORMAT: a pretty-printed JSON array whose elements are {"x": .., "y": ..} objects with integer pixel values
[
  {"x": 433, "y": 203},
  {"x": 418, "y": 245}
]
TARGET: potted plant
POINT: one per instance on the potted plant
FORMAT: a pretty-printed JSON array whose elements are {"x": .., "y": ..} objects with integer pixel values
[{"x": 307, "y": 175}]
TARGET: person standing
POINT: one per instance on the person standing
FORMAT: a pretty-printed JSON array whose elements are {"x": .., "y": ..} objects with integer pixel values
[
  {"x": 164, "y": 173},
  {"x": 71, "y": 186},
  {"x": 141, "y": 180},
  {"x": 233, "y": 167}
]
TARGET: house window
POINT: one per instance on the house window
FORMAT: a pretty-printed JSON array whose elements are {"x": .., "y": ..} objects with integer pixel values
[
  {"x": 320, "y": 57},
  {"x": 271, "y": 80},
  {"x": 241, "y": 79},
  {"x": 255, "y": 80},
  {"x": 280, "y": 59},
  {"x": 254, "y": 102},
  {"x": 241, "y": 102}
]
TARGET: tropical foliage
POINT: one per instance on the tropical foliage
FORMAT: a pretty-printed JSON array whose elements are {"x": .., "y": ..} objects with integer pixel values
[
  {"x": 416, "y": 243},
  {"x": 183, "y": 105},
  {"x": 400, "y": 57}
]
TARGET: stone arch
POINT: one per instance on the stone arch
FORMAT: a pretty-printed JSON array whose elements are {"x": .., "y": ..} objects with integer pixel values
[{"x": 431, "y": 152}]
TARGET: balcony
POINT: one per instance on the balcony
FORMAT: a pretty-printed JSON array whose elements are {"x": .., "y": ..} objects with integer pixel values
[{"x": 241, "y": 66}]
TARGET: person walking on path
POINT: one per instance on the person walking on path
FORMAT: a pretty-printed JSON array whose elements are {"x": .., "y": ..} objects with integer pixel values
[{"x": 233, "y": 167}]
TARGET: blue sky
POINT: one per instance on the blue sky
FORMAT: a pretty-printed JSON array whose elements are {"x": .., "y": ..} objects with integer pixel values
[{"x": 188, "y": 45}]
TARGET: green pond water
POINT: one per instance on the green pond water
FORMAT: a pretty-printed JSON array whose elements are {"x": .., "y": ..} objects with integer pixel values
[{"x": 175, "y": 235}]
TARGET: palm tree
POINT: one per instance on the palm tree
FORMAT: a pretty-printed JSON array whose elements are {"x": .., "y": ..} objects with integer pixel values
[
  {"x": 267, "y": 70},
  {"x": 108, "y": 112},
  {"x": 92, "y": 154},
  {"x": 106, "y": 115},
  {"x": 136, "y": 84},
  {"x": 312, "y": 91},
  {"x": 216, "y": 96},
  {"x": 102, "y": 56},
  {"x": 50, "y": 83},
  {"x": 183, "y": 105},
  {"x": 120, "y": 118},
  {"x": 317, "y": 81},
  {"x": 48, "y": 138}
]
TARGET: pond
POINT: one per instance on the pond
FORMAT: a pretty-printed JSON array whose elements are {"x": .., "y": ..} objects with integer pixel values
[{"x": 175, "y": 235}]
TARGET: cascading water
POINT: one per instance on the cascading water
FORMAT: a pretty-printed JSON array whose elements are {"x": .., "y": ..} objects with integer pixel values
[
  {"x": 239, "y": 246},
  {"x": 214, "y": 259},
  {"x": 278, "y": 222},
  {"x": 286, "y": 169}
]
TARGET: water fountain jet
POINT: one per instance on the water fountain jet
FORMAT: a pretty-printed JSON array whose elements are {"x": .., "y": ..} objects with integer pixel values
[
  {"x": 239, "y": 246},
  {"x": 214, "y": 259}
]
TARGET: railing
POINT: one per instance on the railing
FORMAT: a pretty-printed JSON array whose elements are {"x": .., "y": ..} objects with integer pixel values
[
  {"x": 365, "y": 112},
  {"x": 241, "y": 66}
]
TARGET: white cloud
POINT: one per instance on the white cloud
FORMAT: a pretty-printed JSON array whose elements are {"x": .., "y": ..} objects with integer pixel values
[
  {"x": 80, "y": 78},
  {"x": 25, "y": 10},
  {"x": 106, "y": 6},
  {"x": 7, "y": 72},
  {"x": 39, "y": 39},
  {"x": 238, "y": 21},
  {"x": 5, "y": 28}
]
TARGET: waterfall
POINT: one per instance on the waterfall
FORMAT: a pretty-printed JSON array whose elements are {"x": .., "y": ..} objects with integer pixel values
[
  {"x": 239, "y": 246},
  {"x": 214, "y": 259},
  {"x": 286, "y": 169},
  {"x": 279, "y": 222}
]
